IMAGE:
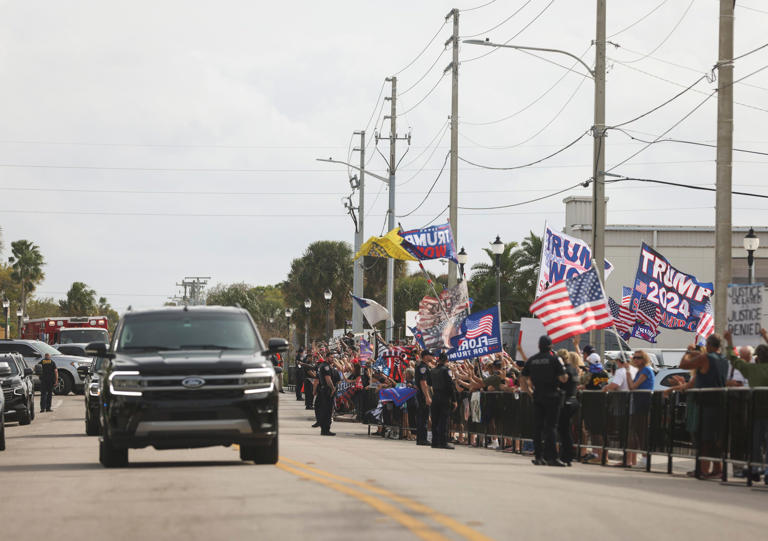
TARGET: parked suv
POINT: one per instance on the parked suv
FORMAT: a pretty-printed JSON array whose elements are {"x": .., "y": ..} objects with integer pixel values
[
  {"x": 34, "y": 350},
  {"x": 92, "y": 390},
  {"x": 2, "y": 415},
  {"x": 188, "y": 377},
  {"x": 18, "y": 388}
]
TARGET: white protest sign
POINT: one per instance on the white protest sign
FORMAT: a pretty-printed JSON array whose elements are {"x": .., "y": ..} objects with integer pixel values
[
  {"x": 745, "y": 310},
  {"x": 531, "y": 329}
]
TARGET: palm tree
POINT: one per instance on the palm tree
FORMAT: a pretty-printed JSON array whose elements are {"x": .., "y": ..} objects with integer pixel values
[
  {"x": 27, "y": 263},
  {"x": 528, "y": 260}
]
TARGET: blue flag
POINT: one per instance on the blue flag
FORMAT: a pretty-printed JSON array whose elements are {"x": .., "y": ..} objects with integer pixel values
[
  {"x": 433, "y": 242},
  {"x": 480, "y": 334}
]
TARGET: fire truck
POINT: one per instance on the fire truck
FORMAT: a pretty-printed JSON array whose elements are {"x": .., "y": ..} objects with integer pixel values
[{"x": 67, "y": 330}]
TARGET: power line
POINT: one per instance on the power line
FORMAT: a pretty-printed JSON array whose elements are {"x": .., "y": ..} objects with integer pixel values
[
  {"x": 742, "y": 6},
  {"x": 437, "y": 146},
  {"x": 683, "y": 141},
  {"x": 584, "y": 184},
  {"x": 445, "y": 161},
  {"x": 531, "y": 104},
  {"x": 485, "y": 32},
  {"x": 670, "y": 100},
  {"x": 682, "y": 185},
  {"x": 412, "y": 62},
  {"x": 547, "y": 125},
  {"x": 674, "y": 28},
  {"x": 420, "y": 79},
  {"x": 563, "y": 149},
  {"x": 436, "y": 217},
  {"x": 536, "y": 18},
  {"x": 638, "y": 21},
  {"x": 465, "y": 10},
  {"x": 442, "y": 76}
]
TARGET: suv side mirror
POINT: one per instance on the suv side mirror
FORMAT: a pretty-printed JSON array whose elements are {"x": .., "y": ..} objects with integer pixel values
[
  {"x": 27, "y": 371},
  {"x": 82, "y": 371},
  {"x": 96, "y": 349},
  {"x": 276, "y": 345},
  {"x": 37, "y": 370}
]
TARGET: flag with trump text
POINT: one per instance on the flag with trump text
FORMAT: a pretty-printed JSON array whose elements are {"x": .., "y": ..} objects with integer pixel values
[
  {"x": 573, "y": 306},
  {"x": 479, "y": 334},
  {"x": 433, "y": 242}
]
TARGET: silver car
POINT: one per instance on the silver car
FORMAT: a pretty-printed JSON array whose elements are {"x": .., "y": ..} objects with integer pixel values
[
  {"x": 34, "y": 350},
  {"x": 666, "y": 378}
]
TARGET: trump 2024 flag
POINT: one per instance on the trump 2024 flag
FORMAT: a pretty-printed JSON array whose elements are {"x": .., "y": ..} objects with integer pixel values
[
  {"x": 573, "y": 306},
  {"x": 372, "y": 310}
]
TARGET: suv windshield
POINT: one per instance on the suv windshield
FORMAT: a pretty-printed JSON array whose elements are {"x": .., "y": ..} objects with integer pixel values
[
  {"x": 84, "y": 336},
  {"x": 188, "y": 330},
  {"x": 44, "y": 348}
]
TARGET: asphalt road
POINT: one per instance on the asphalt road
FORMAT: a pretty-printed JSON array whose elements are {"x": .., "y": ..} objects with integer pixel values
[{"x": 346, "y": 487}]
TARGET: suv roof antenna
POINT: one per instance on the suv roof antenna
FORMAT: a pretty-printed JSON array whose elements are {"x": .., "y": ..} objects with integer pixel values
[{"x": 130, "y": 307}]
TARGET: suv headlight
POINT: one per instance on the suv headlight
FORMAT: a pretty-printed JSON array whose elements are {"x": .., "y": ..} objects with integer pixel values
[
  {"x": 78, "y": 364},
  {"x": 257, "y": 380},
  {"x": 128, "y": 383},
  {"x": 18, "y": 391}
]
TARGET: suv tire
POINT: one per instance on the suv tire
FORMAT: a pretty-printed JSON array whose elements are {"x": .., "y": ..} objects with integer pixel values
[
  {"x": 65, "y": 384},
  {"x": 23, "y": 417},
  {"x": 91, "y": 425},
  {"x": 31, "y": 407},
  {"x": 111, "y": 456},
  {"x": 2, "y": 433},
  {"x": 260, "y": 454}
]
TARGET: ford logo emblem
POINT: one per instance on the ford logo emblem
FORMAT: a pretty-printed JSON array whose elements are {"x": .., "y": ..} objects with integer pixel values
[{"x": 193, "y": 383}]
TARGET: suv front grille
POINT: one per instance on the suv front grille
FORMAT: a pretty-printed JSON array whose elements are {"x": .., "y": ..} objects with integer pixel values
[{"x": 192, "y": 386}]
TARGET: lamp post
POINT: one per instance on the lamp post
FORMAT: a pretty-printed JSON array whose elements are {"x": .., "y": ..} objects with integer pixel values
[
  {"x": 328, "y": 295},
  {"x": 497, "y": 247},
  {"x": 19, "y": 315},
  {"x": 307, "y": 306},
  {"x": 7, "y": 316},
  {"x": 461, "y": 257},
  {"x": 751, "y": 243}
]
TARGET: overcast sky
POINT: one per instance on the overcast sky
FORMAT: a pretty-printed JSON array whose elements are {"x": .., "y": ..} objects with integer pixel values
[{"x": 143, "y": 141}]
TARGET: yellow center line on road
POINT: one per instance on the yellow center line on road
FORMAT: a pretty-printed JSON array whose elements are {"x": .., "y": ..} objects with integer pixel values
[
  {"x": 419, "y": 528},
  {"x": 453, "y": 524}
]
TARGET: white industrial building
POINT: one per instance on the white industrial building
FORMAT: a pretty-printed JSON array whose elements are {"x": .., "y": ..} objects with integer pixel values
[{"x": 689, "y": 248}]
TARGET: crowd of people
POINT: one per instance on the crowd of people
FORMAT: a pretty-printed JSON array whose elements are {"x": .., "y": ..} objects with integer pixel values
[{"x": 425, "y": 393}]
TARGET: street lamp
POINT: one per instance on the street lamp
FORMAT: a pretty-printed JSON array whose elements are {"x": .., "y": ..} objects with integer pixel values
[
  {"x": 461, "y": 257},
  {"x": 328, "y": 295},
  {"x": 751, "y": 243},
  {"x": 19, "y": 315},
  {"x": 307, "y": 306},
  {"x": 7, "y": 316},
  {"x": 497, "y": 247}
]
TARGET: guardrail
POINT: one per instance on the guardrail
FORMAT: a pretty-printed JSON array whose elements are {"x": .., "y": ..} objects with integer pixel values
[{"x": 729, "y": 426}]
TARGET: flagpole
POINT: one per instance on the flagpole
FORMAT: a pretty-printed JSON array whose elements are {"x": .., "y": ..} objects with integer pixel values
[
  {"x": 615, "y": 330},
  {"x": 429, "y": 281}
]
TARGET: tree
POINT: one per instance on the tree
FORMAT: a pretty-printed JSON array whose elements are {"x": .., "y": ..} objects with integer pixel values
[
  {"x": 43, "y": 307},
  {"x": 80, "y": 301},
  {"x": 324, "y": 264},
  {"x": 105, "y": 309},
  {"x": 408, "y": 294},
  {"x": 264, "y": 303},
  {"x": 375, "y": 277},
  {"x": 27, "y": 264},
  {"x": 482, "y": 285}
]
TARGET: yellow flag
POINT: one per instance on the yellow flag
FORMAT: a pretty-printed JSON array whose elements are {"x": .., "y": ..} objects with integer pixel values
[{"x": 390, "y": 245}]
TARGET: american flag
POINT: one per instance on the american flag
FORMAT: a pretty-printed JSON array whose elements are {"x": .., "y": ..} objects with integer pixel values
[
  {"x": 641, "y": 287},
  {"x": 622, "y": 316},
  {"x": 573, "y": 306},
  {"x": 626, "y": 295},
  {"x": 649, "y": 314},
  {"x": 482, "y": 326},
  {"x": 706, "y": 321}
]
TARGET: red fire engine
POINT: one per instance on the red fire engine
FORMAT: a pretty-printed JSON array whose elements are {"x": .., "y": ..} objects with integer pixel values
[{"x": 67, "y": 330}]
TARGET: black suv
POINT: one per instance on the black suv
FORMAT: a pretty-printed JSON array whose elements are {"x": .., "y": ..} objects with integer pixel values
[
  {"x": 187, "y": 377},
  {"x": 18, "y": 388},
  {"x": 91, "y": 375}
]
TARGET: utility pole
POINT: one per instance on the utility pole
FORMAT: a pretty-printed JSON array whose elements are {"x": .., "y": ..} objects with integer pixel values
[
  {"x": 358, "y": 270},
  {"x": 193, "y": 289},
  {"x": 453, "y": 203},
  {"x": 723, "y": 219},
  {"x": 598, "y": 160},
  {"x": 391, "y": 211}
]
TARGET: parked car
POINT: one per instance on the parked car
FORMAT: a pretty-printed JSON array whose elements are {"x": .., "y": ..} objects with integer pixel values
[
  {"x": 186, "y": 377},
  {"x": 2, "y": 410},
  {"x": 18, "y": 389},
  {"x": 34, "y": 350},
  {"x": 665, "y": 378},
  {"x": 91, "y": 376}
]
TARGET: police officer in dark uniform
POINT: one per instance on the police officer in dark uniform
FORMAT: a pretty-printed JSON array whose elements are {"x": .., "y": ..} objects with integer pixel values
[
  {"x": 541, "y": 375},
  {"x": 422, "y": 381},
  {"x": 299, "y": 373},
  {"x": 324, "y": 400},
  {"x": 308, "y": 372},
  {"x": 442, "y": 397},
  {"x": 49, "y": 376}
]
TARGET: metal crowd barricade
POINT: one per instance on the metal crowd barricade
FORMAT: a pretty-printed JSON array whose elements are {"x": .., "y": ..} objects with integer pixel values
[{"x": 727, "y": 425}]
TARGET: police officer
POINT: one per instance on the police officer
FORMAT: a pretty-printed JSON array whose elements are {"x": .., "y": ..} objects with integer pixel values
[
  {"x": 324, "y": 400},
  {"x": 541, "y": 375},
  {"x": 49, "y": 377},
  {"x": 299, "y": 373},
  {"x": 422, "y": 381},
  {"x": 442, "y": 396},
  {"x": 308, "y": 371}
]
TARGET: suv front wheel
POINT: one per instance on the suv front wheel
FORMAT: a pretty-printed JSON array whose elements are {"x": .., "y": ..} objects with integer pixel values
[
  {"x": 260, "y": 454},
  {"x": 111, "y": 456},
  {"x": 65, "y": 384}
]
